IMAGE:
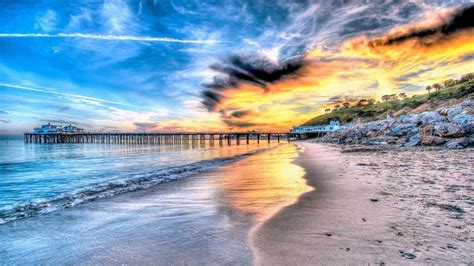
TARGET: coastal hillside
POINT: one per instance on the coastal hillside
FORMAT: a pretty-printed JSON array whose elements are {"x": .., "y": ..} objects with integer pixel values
[{"x": 452, "y": 92}]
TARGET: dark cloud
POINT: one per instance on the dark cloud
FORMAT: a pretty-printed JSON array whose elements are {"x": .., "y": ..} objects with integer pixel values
[
  {"x": 64, "y": 108},
  {"x": 240, "y": 113},
  {"x": 468, "y": 57},
  {"x": 5, "y": 120},
  {"x": 145, "y": 126},
  {"x": 239, "y": 69},
  {"x": 460, "y": 19},
  {"x": 3, "y": 112},
  {"x": 408, "y": 76},
  {"x": 239, "y": 124}
]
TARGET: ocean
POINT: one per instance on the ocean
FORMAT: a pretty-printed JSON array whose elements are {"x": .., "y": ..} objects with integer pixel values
[
  {"x": 42, "y": 178},
  {"x": 141, "y": 204}
]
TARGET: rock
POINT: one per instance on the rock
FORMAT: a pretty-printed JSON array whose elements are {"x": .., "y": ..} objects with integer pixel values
[
  {"x": 433, "y": 141},
  {"x": 401, "y": 141},
  {"x": 455, "y": 110},
  {"x": 443, "y": 112},
  {"x": 409, "y": 256},
  {"x": 428, "y": 118},
  {"x": 391, "y": 140},
  {"x": 460, "y": 143},
  {"x": 413, "y": 141},
  {"x": 445, "y": 129},
  {"x": 463, "y": 119},
  {"x": 466, "y": 122}
]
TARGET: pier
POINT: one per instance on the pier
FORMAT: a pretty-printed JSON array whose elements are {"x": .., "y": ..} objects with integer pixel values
[{"x": 159, "y": 138}]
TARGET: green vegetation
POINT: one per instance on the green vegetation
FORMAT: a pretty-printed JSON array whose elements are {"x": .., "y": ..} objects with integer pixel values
[{"x": 397, "y": 105}]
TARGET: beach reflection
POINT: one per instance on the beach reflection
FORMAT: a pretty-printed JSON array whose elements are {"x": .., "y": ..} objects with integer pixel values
[{"x": 262, "y": 185}]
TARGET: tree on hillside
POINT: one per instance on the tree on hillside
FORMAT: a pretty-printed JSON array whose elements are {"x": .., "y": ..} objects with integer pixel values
[
  {"x": 385, "y": 98},
  {"x": 467, "y": 77},
  {"x": 402, "y": 95},
  {"x": 428, "y": 88},
  {"x": 371, "y": 101},
  {"x": 449, "y": 82},
  {"x": 436, "y": 86},
  {"x": 327, "y": 110},
  {"x": 346, "y": 105},
  {"x": 362, "y": 102}
]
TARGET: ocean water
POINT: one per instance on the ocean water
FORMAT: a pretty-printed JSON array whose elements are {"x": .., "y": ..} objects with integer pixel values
[
  {"x": 42, "y": 178},
  {"x": 206, "y": 218}
]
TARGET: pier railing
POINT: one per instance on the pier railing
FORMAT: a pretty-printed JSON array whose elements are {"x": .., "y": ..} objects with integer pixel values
[{"x": 157, "y": 138}]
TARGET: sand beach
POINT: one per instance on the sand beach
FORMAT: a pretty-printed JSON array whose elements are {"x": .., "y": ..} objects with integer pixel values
[{"x": 374, "y": 206}]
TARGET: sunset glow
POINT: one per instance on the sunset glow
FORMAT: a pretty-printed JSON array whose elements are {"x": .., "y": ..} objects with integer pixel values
[{"x": 197, "y": 76}]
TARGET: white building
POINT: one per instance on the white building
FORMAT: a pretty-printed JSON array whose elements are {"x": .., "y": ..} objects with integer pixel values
[
  {"x": 333, "y": 125},
  {"x": 48, "y": 129},
  {"x": 52, "y": 129},
  {"x": 72, "y": 129}
]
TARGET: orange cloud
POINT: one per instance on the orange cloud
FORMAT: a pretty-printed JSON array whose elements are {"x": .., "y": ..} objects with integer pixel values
[{"x": 404, "y": 60}]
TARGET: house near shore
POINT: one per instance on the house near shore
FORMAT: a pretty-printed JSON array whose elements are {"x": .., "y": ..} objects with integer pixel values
[
  {"x": 55, "y": 129},
  {"x": 334, "y": 125}
]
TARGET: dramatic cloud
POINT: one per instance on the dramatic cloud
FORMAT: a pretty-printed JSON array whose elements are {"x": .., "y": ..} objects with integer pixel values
[
  {"x": 254, "y": 69},
  {"x": 200, "y": 65},
  {"x": 427, "y": 34},
  {"x": 360, "y": 67}
]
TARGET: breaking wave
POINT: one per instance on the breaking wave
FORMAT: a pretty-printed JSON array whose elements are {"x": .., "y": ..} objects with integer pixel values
[{"x": 114, "y": 187}]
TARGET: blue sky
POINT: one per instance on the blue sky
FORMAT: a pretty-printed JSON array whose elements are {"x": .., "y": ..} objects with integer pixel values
[{"x": 140, "y": 65}]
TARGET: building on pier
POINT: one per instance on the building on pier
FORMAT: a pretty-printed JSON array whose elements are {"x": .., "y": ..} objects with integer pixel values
[
  {"x": 72, "y": 129},
  {"x": 56, "y": 129},
  {"x": 334, "y": 125}
]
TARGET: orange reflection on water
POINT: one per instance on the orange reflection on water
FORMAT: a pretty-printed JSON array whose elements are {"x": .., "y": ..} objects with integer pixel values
[{"x": 263, "y": 184}]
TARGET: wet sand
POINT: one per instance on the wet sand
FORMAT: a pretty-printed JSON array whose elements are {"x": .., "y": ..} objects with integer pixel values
[{"x": 374, "y": 206}]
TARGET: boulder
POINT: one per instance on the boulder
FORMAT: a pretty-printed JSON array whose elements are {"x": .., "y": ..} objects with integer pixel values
[
  {"x": 443, "y": 112},
  {"x": 401, "y": 141},
  {"x": 466, "y": 122},
  {"x": 455, "y": 110},
  {"x": 459, "y": 143},
  {"x": 413, "y": 142},
  {"x": 451, "y": 130},
  {"x": 463, "y": 119},
  {"x": 433, "y": 141},
  {"x": 428, "y": 118}
]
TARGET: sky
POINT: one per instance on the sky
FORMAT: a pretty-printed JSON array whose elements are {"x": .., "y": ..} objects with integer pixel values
[{"x": 198, "y": 65}]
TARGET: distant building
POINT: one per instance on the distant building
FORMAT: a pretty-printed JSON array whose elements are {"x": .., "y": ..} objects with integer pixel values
[
  {"x": 72, "y": 129},
  {"x": 333, "y": 125},
  {"x": 52, "y": 129},
  {"x": 48, "y": 129}
]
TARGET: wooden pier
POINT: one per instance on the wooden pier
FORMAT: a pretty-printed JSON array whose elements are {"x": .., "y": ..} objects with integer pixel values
[{"x": 159, "y": 138}]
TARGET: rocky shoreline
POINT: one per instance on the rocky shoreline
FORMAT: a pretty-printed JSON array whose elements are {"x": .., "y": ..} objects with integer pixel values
[{"x": 451, "y": 127}]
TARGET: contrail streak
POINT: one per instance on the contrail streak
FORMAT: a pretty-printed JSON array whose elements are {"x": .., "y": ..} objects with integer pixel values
[
  {"x": 59, "y": 93},
  {"x": 105, "y": 37}
]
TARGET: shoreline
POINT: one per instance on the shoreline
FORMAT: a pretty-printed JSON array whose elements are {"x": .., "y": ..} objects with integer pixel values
[{"x": 360, "y": 213}]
